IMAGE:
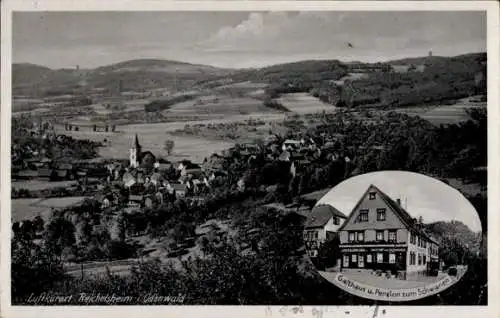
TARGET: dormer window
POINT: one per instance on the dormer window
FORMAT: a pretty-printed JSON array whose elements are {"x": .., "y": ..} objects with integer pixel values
[{"x": 371, "y": 195}]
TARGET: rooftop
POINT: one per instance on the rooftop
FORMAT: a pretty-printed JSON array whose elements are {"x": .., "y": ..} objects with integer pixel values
[{"x": 321, "y": 214}]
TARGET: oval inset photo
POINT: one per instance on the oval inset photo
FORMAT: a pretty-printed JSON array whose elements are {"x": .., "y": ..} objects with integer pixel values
[{"x": 392, "y": 235}]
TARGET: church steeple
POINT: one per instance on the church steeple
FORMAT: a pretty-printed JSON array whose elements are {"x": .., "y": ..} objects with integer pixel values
[
  {"x": 135, "y": 151},
  {"x": 136, "y": 145}
]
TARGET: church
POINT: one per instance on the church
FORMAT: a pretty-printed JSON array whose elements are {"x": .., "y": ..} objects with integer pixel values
[{"x": 138, "y": 158}]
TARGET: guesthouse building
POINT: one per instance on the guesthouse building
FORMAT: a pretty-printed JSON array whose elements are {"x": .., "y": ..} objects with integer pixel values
[{"x": 380, "y": 236}]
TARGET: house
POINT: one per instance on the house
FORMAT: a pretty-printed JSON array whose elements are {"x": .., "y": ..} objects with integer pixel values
[
  {"x": 191, "y": 170},
  {"x": 284, "y": 156},
  {"x": 156, "y": 179},
  {"x": 380, "y": 235},
  {"x": 247, "y": 150},
  {"x": 298, "y": 166},
  {"x": 128, "y": 179},
  {"x": 135, "y": 201},
  {"x": 46, "y": 174},
  {"x": 180, "y": 190},
  {"x": 291, "y": 144},
  {"x": 321, "y": 226}
]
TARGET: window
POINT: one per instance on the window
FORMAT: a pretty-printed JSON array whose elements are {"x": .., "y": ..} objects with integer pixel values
[
  {"x": 361, "y": 236},
  {"x": 352, "y": 237},
  {"x": 380, "y": 214},
  {"x": 369, "y": 258},
  {"x": 354, "y": 258},
  {"x": 380, "y": 235},
  {"x": 336, "y": 220},
  {"x": 372, "y": 195},
  {"x": 380, "y": 258},
  {"x": 412, "y": 258},
  {"x": 392, "y": 236},
  {"x": 425, "y": 259},
  {"x": 316, "y": 235},
  {"x": 425, "y": 244},
  {"x": 361, "y": 261},
  {"x": 412, "y": 238},
  {"x": 392, "y": 258},
  {"x": 346, "y": 261},
  {"x": 363, "y": 216},
  {"x": 419, "y": 259}
]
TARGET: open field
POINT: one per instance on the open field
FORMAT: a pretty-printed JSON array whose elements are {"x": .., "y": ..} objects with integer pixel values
[
  {"x": 303, "y": 103},
  {"x": 153, "y": 136},
  {"x": 37, "y": 185},
  {"x": 443, "y": 114},
  {"x": 23, "y": 209},
  {"x": 220, "y": 104},
  {"x": 241, "y": 88}
]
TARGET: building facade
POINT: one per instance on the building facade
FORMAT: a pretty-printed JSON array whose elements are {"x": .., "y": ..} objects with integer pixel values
[
  {"x": 380, "y": 235},
  {"x": 322, "y": 225}
]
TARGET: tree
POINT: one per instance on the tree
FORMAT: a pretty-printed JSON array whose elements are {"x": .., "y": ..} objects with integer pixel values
[{"x": 168, "y": 146}]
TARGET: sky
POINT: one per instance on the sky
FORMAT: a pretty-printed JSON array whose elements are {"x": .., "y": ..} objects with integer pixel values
[
  {"x": 420, "y": 195},
  {"x": 241, "y": 39}
]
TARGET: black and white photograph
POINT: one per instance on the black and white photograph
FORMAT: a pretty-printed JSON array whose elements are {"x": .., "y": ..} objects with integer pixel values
[
  {"x": 292, "y": 157},
  {"x": 381, "y": 250}
]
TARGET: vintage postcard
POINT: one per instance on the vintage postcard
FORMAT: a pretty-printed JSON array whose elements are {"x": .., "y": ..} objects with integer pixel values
[{"x": 267, "y": 158}]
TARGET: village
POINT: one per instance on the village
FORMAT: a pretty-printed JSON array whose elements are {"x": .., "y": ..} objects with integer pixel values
[{"x": 143, "y": 182}]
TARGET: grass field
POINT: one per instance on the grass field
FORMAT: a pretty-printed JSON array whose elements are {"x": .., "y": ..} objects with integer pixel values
[
  {"x": 219, "y": 104},
  {"x": 303, "y": 103},
  {"x": 153, "y": 136},
  {"x": 27, "y": 209},
  {"x": 36, "y": 185},
  {"x": 443, "y": 114}
]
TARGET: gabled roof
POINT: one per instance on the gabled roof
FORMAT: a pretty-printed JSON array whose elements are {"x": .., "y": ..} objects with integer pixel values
[
  {"x": 403, "y": 215},
  {"x": 321, "y": 214}
]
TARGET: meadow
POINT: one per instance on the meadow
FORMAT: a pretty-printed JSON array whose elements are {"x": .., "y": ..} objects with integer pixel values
[
  {"x": 37, "y": 185},
  {"x": 23, "y": 209},
  {"x": 443, "y": 114},
  {"x": 303, "y": 103},
  {"x": 220, "y": 104}
]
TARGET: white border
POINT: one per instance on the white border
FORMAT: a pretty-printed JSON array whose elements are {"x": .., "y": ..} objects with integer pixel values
[{"x": 251, "y": 311}]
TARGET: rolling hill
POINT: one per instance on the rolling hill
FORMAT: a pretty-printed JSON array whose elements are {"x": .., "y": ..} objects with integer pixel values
[
  {"x": 443, "y": 79},
  {"x": 39, "y": 81}
]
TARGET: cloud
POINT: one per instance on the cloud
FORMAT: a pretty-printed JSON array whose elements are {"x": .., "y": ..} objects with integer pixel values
[
  {"x": 259, "y": 31},
  {"x": 252, "y": 26}
]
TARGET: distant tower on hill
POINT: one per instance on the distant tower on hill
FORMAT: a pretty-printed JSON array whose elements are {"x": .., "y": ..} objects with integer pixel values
[
  {"x": 430, "y": 53},
  {"x": 135, "y": 151},
  {"x": 77, "y": 68}
]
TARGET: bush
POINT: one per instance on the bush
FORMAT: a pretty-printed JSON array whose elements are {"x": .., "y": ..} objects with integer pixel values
[{"x": 452, "y": 271}]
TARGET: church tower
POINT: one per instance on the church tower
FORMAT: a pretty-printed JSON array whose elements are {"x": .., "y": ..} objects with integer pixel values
[{"x": 135, "y": 151}]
